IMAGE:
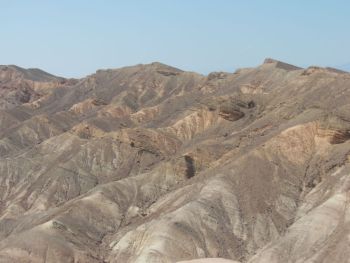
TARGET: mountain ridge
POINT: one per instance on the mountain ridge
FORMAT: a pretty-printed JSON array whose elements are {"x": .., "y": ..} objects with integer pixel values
[{"x": 160, "y": 65}]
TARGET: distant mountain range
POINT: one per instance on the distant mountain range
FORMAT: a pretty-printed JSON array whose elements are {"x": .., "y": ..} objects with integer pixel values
[{"x": 151, "y": 163}]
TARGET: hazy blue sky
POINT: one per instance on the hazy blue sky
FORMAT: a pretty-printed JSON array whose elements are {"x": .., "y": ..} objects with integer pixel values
[{"x": 75, "y": 37}]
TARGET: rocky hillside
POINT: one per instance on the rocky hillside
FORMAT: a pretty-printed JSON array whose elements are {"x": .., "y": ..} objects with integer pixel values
[{"x": 154, "y": 164}]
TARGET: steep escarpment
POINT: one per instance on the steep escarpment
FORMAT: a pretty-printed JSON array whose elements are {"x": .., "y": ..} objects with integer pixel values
[{"x": 154, "y": 164}]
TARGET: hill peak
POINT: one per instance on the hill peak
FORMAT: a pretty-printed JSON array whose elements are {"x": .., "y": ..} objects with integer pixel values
[
  {"x": 33, "y": 74},
  {"x": 280, "y": 64}
]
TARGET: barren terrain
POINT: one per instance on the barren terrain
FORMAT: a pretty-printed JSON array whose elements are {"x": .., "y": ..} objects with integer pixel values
[{"x": 150, "y": 163}]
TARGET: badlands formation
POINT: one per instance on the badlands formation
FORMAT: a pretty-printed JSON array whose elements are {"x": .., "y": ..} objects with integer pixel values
[{"x": 154, "y": 164}]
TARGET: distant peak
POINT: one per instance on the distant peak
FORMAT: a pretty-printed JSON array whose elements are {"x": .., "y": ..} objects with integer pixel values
[
  {"x": 11, "y": 67},
  {"x": 270, "y": 61},
  {"x": 33, "y": 74},
  {"x": 163, "y": 69},
  {"x": 280, "y": 64},
  {"x": 154, "y": 67},
  {"x": 161, "y": 66}
]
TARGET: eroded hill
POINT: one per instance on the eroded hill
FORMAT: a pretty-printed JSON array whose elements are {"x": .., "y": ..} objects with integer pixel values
[{"x": 154, "y": 164}]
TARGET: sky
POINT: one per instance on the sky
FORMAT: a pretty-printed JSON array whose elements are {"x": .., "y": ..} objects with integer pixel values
[{"x": 73, "y": 38}]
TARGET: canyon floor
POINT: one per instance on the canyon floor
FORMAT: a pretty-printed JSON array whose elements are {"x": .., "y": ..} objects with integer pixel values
[{"x": 150, "y": 163}]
